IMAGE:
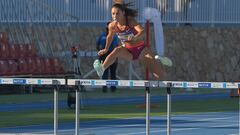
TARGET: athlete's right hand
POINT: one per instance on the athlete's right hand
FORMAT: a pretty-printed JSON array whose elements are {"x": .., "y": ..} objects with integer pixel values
[{"x": 102, "y": 52}]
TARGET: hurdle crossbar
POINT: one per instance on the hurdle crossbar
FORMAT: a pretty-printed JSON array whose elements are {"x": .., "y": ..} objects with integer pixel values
[
  {"x": 119, "y": 83},
  {"x": 32, "y": 81},
  {"x": 160, "y": 84}
]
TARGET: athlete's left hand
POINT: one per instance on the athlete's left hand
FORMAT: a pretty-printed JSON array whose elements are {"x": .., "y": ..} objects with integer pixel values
[{"x": 102, "y": 52}]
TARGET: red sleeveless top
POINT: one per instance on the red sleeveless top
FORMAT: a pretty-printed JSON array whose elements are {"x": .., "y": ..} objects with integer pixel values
[{"x": 124, "y": 34}]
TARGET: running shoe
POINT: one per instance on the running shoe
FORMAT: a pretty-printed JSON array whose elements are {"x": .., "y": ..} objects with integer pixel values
[
  {"x": 164, "y": 60},
  {"x": 98, "y": 67}
]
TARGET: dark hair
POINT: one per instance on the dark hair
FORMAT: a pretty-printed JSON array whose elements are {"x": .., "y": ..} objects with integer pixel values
[{"x": 124, "y": 7}]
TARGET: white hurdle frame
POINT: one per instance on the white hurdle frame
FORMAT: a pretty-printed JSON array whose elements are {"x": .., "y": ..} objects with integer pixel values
[{"x": 56, "y": 82}]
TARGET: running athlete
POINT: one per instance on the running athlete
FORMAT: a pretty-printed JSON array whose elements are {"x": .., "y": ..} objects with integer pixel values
[{"x": 131, "y": 35}]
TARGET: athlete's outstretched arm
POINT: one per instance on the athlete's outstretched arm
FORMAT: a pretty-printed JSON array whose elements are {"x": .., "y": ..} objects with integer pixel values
[{"x": 109, "y": 39}]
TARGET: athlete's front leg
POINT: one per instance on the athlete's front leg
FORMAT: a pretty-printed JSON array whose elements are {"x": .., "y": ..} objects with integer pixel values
[{"x": 118, "y": 52}]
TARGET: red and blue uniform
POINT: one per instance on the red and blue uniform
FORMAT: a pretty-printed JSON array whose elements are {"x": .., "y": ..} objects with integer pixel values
[{"x": 134, "y": 49}]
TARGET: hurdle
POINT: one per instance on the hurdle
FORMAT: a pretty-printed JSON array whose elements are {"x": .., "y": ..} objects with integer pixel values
[
  {"x": 145, "y": 83},
  {"x": 57, "y": 82}
]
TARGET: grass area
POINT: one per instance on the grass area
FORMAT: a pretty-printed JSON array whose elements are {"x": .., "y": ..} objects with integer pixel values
[
  {"x": 93, "y": 94},
  {"x": 89, "y": 113},
  {"x": 29, "y": 98}
]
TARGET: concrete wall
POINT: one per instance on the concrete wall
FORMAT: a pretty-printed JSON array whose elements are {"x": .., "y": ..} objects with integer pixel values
[
  {"x": 204, "y": 54},
  {"x": 198, "y": 54}
]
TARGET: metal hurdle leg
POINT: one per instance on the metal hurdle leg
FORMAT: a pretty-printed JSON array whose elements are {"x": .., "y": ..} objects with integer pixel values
[
  {"x": 55, "y": 111},
  {"x": 56, "y": 89},
  {"x": 148, "y": 111},
  {"x": 169, "y": 85},
  {"x": 77, "y": 108}
]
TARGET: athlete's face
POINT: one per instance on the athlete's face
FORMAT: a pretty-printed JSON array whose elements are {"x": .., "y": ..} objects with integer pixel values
[{"x": 117, "y": 14}]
